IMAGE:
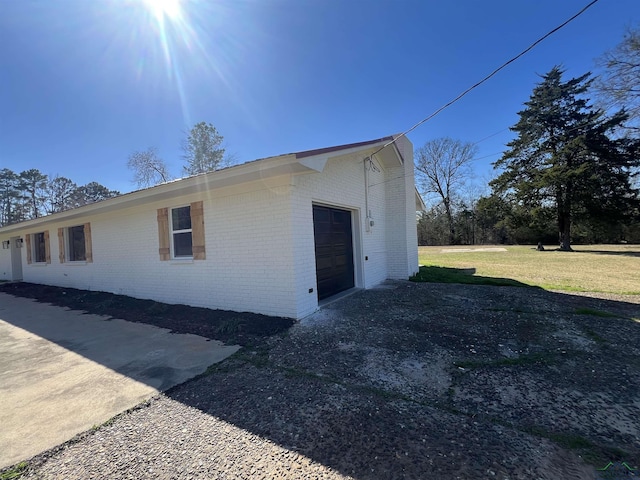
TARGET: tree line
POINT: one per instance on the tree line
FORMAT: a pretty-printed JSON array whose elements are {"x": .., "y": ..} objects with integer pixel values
[
  {"x": 32, "y": 194},
  {"x": 570, "y": 174}
]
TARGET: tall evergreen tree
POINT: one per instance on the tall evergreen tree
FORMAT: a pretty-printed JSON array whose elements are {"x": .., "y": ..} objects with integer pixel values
[
  {"x": 90, "y": 193},
  {"x": 9, "y": 196},
  {"x": 565, "y": 156},
  {"x": 203, "y": 150},
  {"x": 33, "y": 183}
]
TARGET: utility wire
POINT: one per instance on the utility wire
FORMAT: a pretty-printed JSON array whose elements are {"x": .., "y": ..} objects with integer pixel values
[
  {"x": 486, "y": 156},
  {"x": 491, "y": 136},
  {"x": 526, "y": 50},
  {"x": 404, "y": 175},
  {"x": 577, "y": 127}
]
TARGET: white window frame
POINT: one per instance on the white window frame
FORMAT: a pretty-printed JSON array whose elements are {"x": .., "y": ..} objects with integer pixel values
[{"x": 172, "y": 232}]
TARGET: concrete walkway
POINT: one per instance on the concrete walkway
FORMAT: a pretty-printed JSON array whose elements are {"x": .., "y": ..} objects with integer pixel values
[{"x": 62, "y": 372}]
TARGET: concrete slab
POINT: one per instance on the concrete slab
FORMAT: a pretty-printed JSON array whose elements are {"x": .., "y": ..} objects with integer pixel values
[
  {"x": 466, "y": 250},
  {"x": 62, "y": 371}
]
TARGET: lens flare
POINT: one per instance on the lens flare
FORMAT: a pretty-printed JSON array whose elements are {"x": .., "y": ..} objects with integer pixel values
[
  {"x": 190, "y": 40},
  {"x": 162, "y": 9}
]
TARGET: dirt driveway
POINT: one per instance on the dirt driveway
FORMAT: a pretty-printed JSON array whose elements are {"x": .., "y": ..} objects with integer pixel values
[{"x": 406, "y": 381}]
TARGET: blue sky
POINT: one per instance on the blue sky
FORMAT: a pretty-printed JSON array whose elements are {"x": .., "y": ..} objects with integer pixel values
[{"x": 83, "y": 83}]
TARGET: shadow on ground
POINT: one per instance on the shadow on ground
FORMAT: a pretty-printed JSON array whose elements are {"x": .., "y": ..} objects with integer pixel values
[
  {"x": 417, "y": 381},
  {"x": 622, "y": 253},
  {"x": 446, "y": 381},
  {"x": 466, "y": 276}
]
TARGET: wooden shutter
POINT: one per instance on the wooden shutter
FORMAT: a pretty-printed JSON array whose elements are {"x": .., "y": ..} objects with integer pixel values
[
  {"x": 61, "y": 244},
  {"x": 197, "y": 231},
  {"x": 28, "y": 242},
  {"x": 47, "y": 248},
  {"x": 163, "y": 234},
  {"x": 88, "y": 249}
]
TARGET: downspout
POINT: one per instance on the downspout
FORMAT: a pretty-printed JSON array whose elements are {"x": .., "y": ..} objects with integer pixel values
[{"x": 367, "y": 220}]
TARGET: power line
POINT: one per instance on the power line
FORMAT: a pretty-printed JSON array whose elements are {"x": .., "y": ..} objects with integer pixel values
[
  {"x": 487, "y": 156},
  {"x": 526, "y": 50},
  {"x": 572, "y": 129},
  {"x": 404, "y": 175},
  {"x": 491, "y": 136}
]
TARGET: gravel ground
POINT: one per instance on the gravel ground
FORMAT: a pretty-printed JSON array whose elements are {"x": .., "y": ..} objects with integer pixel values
[{"x": 406, "y": 381}]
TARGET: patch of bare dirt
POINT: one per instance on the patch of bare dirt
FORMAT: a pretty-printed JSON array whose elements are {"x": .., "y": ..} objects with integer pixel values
[{"x": 523, "y": 361}]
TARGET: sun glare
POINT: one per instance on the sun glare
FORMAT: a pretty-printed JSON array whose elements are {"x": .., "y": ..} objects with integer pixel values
[
  {"x": 174, "y": 31},
  {"x": 162, "y": 9}
]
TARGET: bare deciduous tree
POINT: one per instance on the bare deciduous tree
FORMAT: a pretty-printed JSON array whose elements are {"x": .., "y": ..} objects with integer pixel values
[
  {"x": 148, "y": 168},
  {"x": 619, "y": 84},
  {"x": 60, "y": 192},
  {"x": 442, "y": 167}
]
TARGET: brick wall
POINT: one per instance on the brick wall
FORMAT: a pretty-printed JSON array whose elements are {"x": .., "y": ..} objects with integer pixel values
[
  {"x": 401, "y": 233},
  {"x": 342, "y": 185},
  {"x": 5, "y": 261},
  {"x": 260, "y": 254},
  {"x": 248, "y": 266}
]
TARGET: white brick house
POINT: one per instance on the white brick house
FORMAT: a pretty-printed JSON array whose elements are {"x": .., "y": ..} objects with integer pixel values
[{"x": 271, "y": 236}]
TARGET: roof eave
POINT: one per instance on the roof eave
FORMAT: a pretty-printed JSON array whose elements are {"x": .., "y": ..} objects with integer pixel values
[
  {"x": 267, "y": 168},
  {"x": 309, "y": 161}
]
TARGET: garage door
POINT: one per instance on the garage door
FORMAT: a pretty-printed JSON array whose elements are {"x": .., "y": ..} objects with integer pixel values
[{"x": 334, "y": 250}]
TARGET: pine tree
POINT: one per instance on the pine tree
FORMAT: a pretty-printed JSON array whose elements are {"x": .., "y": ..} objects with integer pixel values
[
  {"x": 9, "y": 196},
  {"x": 33, "y": 184},
  {"x": 566, "y": 156},
  {"x": 203, "y": 150}
]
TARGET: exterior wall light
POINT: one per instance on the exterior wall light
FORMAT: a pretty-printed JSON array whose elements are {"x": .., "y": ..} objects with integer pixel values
[
  {"x": 5, "y": 244},
  {"x": 19, "y": 243}
]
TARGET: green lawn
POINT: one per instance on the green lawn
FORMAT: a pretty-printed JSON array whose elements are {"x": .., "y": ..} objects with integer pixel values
[{"x": 590, "y": 268}]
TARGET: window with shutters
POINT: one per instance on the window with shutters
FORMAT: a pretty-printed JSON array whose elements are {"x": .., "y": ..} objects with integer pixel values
[
  {"x": 75, "y": 244},
  {"x": 181, "y": 232},
  {"x": 38, "y": 248},
  {"x": 77, "y": 251}
]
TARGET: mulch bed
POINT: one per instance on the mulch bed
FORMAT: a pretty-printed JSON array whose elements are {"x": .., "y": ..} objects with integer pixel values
[{"x": 243, "y": 328}]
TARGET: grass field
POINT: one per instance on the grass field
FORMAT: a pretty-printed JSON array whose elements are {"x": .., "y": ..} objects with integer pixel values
[{"x": 590, "y": 268}]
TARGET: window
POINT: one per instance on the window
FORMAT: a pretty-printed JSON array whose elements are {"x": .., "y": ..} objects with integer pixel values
[
  {"x": 77, "y": 251},
  {"x": 181, "y": 233},
  {"x": 38, "y": 248},
  {"x": 75, "y": 243}
]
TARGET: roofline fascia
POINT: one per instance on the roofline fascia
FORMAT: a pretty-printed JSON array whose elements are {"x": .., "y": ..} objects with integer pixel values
[
  {"x": 423, "y": 206},
  {"x": 292, "y": 163},
  {"x": 264, "y": 168}
]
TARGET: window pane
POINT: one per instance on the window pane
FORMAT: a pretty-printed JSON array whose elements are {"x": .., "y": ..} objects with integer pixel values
[
  {"x": 182, "y": 244},
  {"x": 181, "y": 218},
  {"x": 39, "y": 249},
  {"x": 76, "y": 244}
]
